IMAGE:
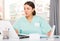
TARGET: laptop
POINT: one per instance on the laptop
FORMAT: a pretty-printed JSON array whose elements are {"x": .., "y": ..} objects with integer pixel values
[{"x": 6, "y": 24}]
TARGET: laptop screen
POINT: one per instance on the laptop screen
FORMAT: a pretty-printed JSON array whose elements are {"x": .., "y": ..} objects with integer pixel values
[{"x": 7, "y": 25}]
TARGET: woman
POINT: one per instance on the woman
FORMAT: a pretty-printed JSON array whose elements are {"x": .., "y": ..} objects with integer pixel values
[{"x": 31, "y": 23}]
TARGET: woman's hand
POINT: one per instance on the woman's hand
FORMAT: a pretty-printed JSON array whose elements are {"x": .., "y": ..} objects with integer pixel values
[
  {"x": 16, "y": 31},
  {"x": 49, "y": 33}
]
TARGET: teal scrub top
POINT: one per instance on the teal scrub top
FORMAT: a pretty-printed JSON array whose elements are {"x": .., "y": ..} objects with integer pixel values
[{"x": 37, "y": 25}]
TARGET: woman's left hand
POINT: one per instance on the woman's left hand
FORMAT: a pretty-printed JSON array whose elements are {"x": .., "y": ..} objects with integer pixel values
[{"x": 49, "y": 33}]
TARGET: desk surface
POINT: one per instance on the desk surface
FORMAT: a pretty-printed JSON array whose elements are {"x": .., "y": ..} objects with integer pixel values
[
  {"x": 29, "y": 39},
  {"x": 55, "y": 38},
  {"x": 32, "y": 39}
]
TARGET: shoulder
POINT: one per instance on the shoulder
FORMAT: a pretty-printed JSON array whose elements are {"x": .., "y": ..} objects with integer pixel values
[{"x": 39, "y": 17}]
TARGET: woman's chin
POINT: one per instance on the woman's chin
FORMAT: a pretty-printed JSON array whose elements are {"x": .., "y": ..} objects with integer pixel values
[{"x": 27, "y": 16}]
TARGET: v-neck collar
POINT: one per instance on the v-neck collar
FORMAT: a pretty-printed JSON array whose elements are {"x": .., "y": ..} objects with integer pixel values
[{"x": 31, "y": 20}]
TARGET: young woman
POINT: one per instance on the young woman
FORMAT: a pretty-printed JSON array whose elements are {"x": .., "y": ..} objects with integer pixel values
[{"x": 31, "y": 23}]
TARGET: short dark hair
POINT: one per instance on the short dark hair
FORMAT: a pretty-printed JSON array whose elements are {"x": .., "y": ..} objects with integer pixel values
[{"x": 32, "y": 5}]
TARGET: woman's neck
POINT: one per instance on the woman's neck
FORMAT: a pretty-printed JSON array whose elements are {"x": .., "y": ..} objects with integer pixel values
[{"x": 29, "y": 18}]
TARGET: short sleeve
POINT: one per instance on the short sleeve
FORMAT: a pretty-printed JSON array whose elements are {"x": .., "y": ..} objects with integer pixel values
[
  {"x": 17, "y": 25},
  {"x": 45, "y": 27}
]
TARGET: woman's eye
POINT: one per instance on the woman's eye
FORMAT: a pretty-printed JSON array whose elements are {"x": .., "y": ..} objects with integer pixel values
[{"x": 28, "y": 8}]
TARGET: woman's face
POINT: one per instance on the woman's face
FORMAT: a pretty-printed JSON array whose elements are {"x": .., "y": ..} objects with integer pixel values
[{"x": 28, "y": 10}]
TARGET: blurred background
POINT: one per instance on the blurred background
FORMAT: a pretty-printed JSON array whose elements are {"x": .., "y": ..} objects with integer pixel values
[{"x": 48, "y": 9}]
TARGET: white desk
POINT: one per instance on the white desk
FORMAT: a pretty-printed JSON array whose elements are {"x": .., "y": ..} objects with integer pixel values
[
  {"x": 56, "y": 39},
  {"x": 29, "y": 39}
]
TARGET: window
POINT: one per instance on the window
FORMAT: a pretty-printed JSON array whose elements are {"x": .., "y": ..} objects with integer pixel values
[
  {"x": 1, "y": 9},
  {"x": 14, "y": 8}
]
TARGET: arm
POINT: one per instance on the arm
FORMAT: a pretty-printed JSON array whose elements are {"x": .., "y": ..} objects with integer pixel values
[
  {"x": 16, "y": 26},
  {"x": 45, "y": 27},
  {"x": 16, "y": 31}
]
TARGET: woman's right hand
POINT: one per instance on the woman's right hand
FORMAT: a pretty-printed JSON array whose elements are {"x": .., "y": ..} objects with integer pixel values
[{"x": 16, "y": 31}]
